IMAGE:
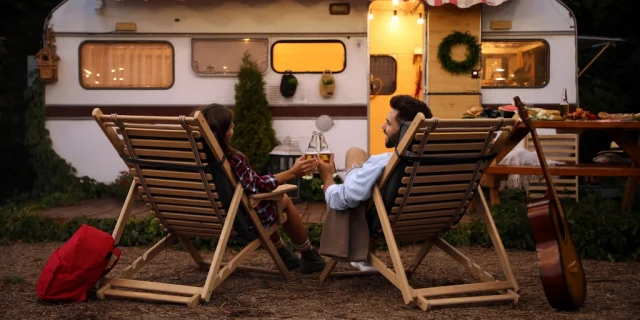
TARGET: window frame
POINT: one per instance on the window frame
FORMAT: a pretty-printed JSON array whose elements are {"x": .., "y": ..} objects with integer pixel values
[
  {"x": 344, "y": 48},
  {"x": 395, "y": 61},
  {"x": 234, "y": 39},
  {"x": 173, "y": 64},
  {"x": 547, "y": 69}
]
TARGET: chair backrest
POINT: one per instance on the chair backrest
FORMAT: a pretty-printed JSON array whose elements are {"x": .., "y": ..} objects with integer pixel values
[
  {"x": 430, "y": 181},
  {"x": 558, "y": 147},
  {"x": 180, "y": 170}
]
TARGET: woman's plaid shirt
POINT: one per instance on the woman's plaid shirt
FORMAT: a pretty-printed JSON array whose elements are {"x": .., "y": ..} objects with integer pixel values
[{"x": 254, "y": 183}]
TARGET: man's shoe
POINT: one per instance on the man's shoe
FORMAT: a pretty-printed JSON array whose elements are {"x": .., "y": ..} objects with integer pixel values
[
  {"x": 312, "y": 261},
  {"x": 363, "y": 266},
  {"x": 290, "y": 259}
]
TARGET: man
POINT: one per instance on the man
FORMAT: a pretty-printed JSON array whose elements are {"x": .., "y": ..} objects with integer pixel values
[{"x": 363, "y": 170}]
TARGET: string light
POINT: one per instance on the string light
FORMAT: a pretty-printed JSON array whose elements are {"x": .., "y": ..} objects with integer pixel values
[
  {"x": 370, "y": 15},
  {"x": 420, "y": 19},
  {"x": 395, "y": 15}
]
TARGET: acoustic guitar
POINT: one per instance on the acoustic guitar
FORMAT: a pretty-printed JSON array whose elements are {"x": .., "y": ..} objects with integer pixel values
[{"x": 560, "y": 267}]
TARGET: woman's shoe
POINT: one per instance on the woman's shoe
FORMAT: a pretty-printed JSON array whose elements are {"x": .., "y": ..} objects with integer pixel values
[{"x": 312, "y": 261}]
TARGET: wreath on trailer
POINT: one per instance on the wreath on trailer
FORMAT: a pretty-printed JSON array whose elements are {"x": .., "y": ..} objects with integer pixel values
[{"x": 455, "y": 66}]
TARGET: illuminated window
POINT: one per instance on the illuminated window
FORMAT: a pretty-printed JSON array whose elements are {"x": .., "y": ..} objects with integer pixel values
[
  {"x": 224, "y": 56},
  {"x": 311, "y": 56},
  {"x": 126, "y": 65},
  {"x": 515, "y": 64}
]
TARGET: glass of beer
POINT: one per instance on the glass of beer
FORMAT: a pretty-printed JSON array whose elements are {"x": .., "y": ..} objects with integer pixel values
[
  {"x": 311, "y": 152},
  {"x": 325, "y": 152}
]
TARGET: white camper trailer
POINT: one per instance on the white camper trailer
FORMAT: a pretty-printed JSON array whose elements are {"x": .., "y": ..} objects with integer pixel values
[{"x": 165, "y": 57}]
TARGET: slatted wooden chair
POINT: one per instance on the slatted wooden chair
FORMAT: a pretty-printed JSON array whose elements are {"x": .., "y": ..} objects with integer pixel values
[
  {"x": 186, "y": 181},
  {"x": 558, "y": 147},
  {"x": 424, "y": 190}
]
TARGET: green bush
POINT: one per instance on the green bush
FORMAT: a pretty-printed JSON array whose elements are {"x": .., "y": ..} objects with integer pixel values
[
  {"x": 598, "y": 229},
  {"x": 311, "y": 189},
  {"x": 254, "y": 135}
]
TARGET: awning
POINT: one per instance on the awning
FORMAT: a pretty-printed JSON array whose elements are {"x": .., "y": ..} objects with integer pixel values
[{"x": 465, "y": 3}]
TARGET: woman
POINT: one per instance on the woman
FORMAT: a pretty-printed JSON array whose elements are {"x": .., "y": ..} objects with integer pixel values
[{"x": 220, "y": 119}]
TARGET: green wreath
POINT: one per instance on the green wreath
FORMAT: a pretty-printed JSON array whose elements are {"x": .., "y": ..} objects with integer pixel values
[{"x": 459, "y": 38}]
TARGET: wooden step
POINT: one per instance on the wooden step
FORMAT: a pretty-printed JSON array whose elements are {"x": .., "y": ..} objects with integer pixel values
[
  {"x": 191, "y": 301},
  {"x": 425, "y": 304},
  {"x": 165, "y": 292}
]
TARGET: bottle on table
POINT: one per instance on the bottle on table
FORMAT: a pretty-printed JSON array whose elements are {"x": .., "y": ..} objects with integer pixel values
[{"x": 564, "y": 104}]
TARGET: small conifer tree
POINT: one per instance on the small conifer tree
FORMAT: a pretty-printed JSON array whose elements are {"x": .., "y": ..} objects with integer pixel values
[{"x": 253, "y": 134}]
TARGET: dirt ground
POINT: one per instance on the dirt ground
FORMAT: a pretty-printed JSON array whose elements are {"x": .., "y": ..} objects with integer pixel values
[{"x": 612, "y": 290}]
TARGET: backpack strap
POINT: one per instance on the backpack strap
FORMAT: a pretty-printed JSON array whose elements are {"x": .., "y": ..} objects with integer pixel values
[{"x": 115, "y": 252}]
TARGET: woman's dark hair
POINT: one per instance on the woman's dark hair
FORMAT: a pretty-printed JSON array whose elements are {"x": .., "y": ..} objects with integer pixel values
[{"x": 219, "y": 119}]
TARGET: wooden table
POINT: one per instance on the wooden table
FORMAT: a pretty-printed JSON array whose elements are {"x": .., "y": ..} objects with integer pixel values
[{"x": 616, "y": 129}]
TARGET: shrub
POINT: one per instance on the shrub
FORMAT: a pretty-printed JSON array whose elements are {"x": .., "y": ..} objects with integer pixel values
[{"x": 254, "y": 135}]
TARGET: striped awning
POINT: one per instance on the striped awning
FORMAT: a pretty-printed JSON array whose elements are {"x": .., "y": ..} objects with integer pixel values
[{"x": 465, "y": 3}]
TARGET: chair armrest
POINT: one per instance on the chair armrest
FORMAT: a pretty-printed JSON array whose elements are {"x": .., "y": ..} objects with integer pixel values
[{"x": 276, "y": 194}]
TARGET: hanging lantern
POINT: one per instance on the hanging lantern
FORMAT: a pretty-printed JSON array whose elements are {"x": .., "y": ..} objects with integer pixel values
[{"x": 282, "y": 158}]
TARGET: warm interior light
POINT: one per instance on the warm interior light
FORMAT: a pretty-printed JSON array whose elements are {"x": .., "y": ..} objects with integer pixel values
[
  {"x": 395, "y": 15},
  {"x": 370, "y": 15},
  {"x": 420, "y": 19},
  {"x": 395, "y": 2}
]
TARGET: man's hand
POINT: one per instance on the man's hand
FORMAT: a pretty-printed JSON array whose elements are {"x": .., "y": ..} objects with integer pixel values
[{"x": 326, "y": 171}]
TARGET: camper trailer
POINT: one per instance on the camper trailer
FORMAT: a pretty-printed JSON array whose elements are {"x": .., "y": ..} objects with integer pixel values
[{"x": 166, "y": 57}]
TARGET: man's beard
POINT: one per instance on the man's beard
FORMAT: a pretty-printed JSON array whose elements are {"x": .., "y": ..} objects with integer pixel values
[{"x": 391, "y": 141}]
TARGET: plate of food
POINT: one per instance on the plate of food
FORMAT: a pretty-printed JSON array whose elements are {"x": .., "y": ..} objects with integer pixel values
[
  {"x": 474, "y": 112},
  {"x": 581, "y": 114},
  {"x": 619, "y": 116},
  {"x": 544, "y": 114}
]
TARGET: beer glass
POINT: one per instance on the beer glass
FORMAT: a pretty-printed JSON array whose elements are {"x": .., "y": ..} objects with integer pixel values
[
  {"x": 325, "y": 152},
  {"x": 311, "y": 152}
]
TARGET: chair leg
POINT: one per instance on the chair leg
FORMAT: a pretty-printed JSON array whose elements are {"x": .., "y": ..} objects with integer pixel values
[
  {"x": 193, "y": 251},
  {"x": 497, "y": 241},
  {"x": 129, "y": 271},
  {"x": 328, "y": 269},
  {"x": 401, "y": 278},
  {"x": 222, "y": 243},
  {"x": 424, "y": 250},
  {"x": 124, "y": 213},
  {"x": 266, "y": 241}
]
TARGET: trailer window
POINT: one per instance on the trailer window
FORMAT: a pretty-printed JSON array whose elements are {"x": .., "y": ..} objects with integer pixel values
[
  {"x": 515, "y": 64},
  {"x": 384, "y": 71},
  {"x": 308, "y": 56},
  {"x": 224, "y": 56},
  {"x": 126, "y": 65}
]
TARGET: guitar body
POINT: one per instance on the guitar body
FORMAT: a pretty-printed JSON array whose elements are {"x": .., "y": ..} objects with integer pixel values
[{"x": 560, "y": 267}]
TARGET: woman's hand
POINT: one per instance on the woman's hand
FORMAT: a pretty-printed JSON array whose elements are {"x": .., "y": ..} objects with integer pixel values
[{"x": 304, "y": 167}]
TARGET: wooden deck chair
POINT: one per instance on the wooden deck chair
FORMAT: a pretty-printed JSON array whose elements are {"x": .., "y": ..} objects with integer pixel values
[
  {"x": 186, "y": 181},
  {"x": 423, "y": 191}
]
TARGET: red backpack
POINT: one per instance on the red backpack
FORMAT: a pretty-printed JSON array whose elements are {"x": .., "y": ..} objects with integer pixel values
[{"x": 76, "y": 267}]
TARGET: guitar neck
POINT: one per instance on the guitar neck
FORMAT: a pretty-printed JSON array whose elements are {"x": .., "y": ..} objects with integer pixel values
[
  {"x": 551, "y": 190},
  {"x": 543, "y": 163}
]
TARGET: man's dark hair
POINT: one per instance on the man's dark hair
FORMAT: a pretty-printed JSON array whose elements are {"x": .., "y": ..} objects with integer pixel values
[{"x": 408, "y": 107}]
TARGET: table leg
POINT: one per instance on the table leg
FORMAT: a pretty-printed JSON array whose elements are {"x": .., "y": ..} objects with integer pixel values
[
  {"x": 633, "y": 151},
  {"x": 493, "y": 182},
  {"x": 629, "y": 189}
]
